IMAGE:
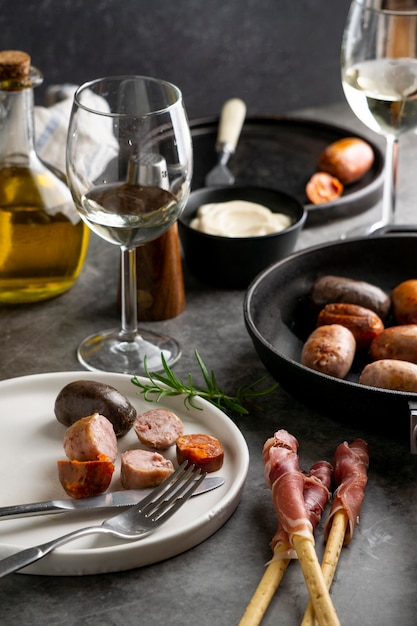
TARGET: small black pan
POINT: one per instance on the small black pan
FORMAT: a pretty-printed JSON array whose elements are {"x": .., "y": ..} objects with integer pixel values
[{"x": 278, "y": 319}]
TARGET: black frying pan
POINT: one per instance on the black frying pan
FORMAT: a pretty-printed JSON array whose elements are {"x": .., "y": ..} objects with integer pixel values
[{"x": 279, "y": 319}]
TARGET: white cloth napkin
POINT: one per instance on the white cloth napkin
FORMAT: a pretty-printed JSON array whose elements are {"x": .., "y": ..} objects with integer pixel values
[{"x": 51, "y": 129}]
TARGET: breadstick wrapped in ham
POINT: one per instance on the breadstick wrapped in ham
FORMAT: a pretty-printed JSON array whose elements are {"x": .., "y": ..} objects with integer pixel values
[
  {"x": 316, "y": 492},
  {"x": 351, "y": 463},
  {"x": 286, "y": 480},
  {"x": 283, "y": 474}
]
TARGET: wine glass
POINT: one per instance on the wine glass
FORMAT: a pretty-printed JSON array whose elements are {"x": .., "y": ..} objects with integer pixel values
[
  {"x": 129, "y": 168},
  {"x": 379, "y": 77}
]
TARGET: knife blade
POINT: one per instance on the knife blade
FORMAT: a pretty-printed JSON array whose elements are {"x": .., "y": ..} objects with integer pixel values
[{"x": 105, "y": 501}]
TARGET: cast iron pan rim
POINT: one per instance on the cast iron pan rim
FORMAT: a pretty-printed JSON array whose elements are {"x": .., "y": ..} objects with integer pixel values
[
  {"x": 299, "y": 222},
  {"x": 251, "y": 290}
]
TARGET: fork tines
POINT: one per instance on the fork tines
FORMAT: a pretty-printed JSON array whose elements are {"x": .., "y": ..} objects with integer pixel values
[{"x": 173, "y": 492}]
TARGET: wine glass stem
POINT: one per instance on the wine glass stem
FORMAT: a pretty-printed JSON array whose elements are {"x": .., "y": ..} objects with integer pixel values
[
  {"x": 390, "y": 181},
  {"x": 128, "y": 294}
]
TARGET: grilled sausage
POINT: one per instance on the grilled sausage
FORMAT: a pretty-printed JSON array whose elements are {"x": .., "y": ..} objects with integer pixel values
[
  {"x": 84, "y": 397},
  {"x": 82, "y": 479},
  {"x": 329, "y": 289},
  {"x": 404, "y": 302},
  {"x": 204, "y": 451},
  {"x": 329, "y": 349},
  {"x": 89, "y": 438},
  {"x": 322, "y": 187},
  {"x": 396, "y": 342},
  {"x": 348, "y": 159},
  {"x": 362, "y": 322},
  {"x": 390, "y": 374},
  {"x": 142, "y": 468},
  {"x": 158, "y": 428}
]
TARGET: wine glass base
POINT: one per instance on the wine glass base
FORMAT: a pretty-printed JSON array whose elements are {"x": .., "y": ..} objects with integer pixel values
[
  {"x": 109, "y": 351},
  {"x": 364, "y": 231}
]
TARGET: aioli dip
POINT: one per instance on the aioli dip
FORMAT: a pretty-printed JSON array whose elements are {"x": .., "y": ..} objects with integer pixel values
[{"x": 238, "y": 218}]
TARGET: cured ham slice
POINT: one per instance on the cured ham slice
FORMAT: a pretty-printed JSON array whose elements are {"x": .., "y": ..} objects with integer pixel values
[
  {"x": 286, "y": 480},
  {"x": 350, "y": 477},
  {"x": 283, "y": 474},
  {"x": 351, "y": 463},
  {"x": 316, "y": 494}
]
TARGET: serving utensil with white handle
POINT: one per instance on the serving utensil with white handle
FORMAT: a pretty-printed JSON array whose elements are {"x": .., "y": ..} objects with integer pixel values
[
  {"x": 135, "y": 523},
  {"x": 231, "y": 122}
]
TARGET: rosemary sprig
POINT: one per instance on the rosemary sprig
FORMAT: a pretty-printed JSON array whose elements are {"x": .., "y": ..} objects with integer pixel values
[{"x": 160, "y": 386}]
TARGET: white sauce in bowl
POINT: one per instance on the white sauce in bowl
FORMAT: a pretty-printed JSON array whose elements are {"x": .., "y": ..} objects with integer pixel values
[{"x": 239, "y": 218}]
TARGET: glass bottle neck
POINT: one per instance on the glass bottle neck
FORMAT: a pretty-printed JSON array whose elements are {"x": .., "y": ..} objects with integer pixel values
[{"x": 17, "y": 146}]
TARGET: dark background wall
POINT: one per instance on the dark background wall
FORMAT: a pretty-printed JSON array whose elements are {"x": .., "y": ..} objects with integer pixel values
[{"x": 278, "y": 55}]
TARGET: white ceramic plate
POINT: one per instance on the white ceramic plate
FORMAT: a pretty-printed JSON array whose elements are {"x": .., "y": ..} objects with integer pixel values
[{"x": 31, "y": 443}]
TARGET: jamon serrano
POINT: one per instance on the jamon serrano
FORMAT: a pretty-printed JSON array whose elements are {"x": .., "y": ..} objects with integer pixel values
[
  {"x": 316, "y": 492},
  {"x": 283, "y": 474},
  {"x": 286, "y": 480},
  {"x": 350, "y": 477}
]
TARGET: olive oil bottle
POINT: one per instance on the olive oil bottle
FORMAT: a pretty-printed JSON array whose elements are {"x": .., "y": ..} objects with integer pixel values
[{"x": 43, "y": 241}]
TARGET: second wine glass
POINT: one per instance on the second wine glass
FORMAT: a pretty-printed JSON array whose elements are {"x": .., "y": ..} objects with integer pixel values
[
  {"x": 129, "y": 168},
  {"x": 379, "y": 77}
]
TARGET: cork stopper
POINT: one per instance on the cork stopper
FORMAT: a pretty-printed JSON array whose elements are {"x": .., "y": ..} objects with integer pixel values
[
  {"x": 15, "y": 70},
  {"x": 14, "y": 65}
]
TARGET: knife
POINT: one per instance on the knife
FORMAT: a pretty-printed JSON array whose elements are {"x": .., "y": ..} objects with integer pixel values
[{"x": 105, "y": 501}]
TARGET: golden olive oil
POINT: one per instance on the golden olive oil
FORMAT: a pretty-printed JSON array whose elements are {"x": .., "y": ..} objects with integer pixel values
[{"x": 43, "y": 241}]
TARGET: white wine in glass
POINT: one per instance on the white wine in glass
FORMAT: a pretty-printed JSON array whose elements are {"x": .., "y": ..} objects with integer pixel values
[
  {"x": 379, "y": 77},
  {"x": 130, "y": 178}
]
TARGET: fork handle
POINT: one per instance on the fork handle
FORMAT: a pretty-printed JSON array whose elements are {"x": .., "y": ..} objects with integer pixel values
[{"x": 25, "y": 557}]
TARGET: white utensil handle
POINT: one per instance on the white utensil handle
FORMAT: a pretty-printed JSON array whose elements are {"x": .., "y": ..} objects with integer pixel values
[{"x": 231, "y": 121}]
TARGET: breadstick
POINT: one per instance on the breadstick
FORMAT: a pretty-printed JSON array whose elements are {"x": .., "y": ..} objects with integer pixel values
[
  {"x": 316, "y": 585},
  {"x": 264, "y": 592},
  {"x": 330, "y": 558}
]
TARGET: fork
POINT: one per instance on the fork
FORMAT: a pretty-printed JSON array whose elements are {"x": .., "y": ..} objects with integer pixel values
[{"x": 135, "y": 523}]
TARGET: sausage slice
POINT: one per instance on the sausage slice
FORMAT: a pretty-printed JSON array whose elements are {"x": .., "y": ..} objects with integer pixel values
[
  {"x": 82, "y": 479},
  {"x": 204, "y": 451},
  {"x": 89, "y": 438},
  {"x": 142, "y": 468},
  {"x": 158, "y": 428}
]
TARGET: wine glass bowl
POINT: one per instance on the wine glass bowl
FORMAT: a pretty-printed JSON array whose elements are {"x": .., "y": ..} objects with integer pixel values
[
  {"x": 129, "y": 168},
  {"x": 379, "y": 78}
]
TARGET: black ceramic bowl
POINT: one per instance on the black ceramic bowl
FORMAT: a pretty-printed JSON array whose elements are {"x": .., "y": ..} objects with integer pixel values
[{"x": 232, "y": 262}]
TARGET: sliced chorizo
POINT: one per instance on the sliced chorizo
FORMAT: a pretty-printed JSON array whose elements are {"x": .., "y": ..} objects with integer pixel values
[
  {"x": 82, "y": 479},
  {"x": 204, "y": 451},
  {"x": 322, "y": 187}
]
